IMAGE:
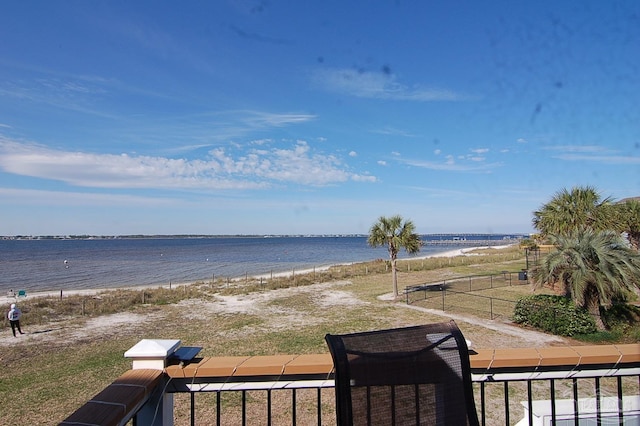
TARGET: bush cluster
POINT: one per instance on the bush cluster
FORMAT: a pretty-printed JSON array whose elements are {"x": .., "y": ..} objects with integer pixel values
[{"x": 553, "y": 314}]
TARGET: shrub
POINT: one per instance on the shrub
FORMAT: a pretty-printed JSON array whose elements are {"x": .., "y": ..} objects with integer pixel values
[
  {"x": 554, "y": 314},
  {"x": 623, "y": 321}
]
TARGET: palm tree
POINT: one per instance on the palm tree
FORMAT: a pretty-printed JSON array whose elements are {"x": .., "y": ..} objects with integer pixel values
[
  {"x": 395, "y": 234},
  {"x": 579, "y": 208},
  {"x": 594, "y": 268},
  {"x": 630, "y": 220}
]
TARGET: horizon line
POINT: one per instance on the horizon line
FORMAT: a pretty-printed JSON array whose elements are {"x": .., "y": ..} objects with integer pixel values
[{"x": 132, "y": 236}]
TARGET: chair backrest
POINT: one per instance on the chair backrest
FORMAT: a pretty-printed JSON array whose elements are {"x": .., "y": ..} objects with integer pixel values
[
  {"x": 407, "y": 376},
  {"x": 22, "y": 293}
]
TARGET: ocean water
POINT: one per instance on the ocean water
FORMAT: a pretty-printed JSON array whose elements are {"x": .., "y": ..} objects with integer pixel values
[{"x": 72, "y": 264}]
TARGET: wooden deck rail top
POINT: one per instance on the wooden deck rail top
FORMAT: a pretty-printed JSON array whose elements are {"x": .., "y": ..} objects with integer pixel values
[
  {"x": 118, "y": 401},
  {"x": 481, "y": 360}
]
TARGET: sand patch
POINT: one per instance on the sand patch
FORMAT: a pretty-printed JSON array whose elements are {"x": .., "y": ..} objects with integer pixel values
[
  {"x": 272, "y": 315},
  {"x": 104, "y": 326},
  {"x": 338, "y": 298}
]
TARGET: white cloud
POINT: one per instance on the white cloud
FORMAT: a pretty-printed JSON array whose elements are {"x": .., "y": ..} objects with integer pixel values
[
  {"x": 477, "y": 154},
  {"x": 471, "y": 164},
  {"x": 577, "y": 148},
  {"x": 353, "y": 154},
  {"x": 77, "y": 94},
  {"x": 67, "y": 199},
  {"x": 364, "y": 178},
  {"x": 437, "y": 151},
  {"x": 593, "y": 153},
  {"x": 261, "y": 141},
  {"x": 382, "y": 162},
  {"x": 604, "y": 159},
  {"x": 258, "y": 119},
  {"x": 393, "y": 132},
  {"x": 480, "y": 150},
  {"x": 252, "y": 169},
  {"x": 374, "y": 85}
]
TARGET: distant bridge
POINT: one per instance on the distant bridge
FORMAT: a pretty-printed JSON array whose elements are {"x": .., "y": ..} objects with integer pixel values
[{"x": 467, "y": 242}]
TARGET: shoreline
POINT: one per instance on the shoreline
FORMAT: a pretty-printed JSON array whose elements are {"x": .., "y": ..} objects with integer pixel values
[
  {"x": 450, "y": 253},
  {"x": 7, "y": 299}
]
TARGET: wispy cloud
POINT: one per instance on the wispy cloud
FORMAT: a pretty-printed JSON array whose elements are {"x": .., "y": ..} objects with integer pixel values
[
  {"x": 577, "y": 148},
  {"x": 71, "y": 94},
  {"x": 176, "y": 134},
  {"x": 592, "y": 153},
  {"x": 449, "y": 166},
  {"x": 220, "y": 169},
  {"x": 379, "y": 85},
  {"x": 473, "y": 161},
  {"x": 393, "y": 132},
  {"x": 480, "y": 151},
  {"x": 477, "y": 155},
  {"x": 474, "y": 164},
  {"x": 604, "y": 159},
  {"x": 259, "y": 119},
  {"x": 59, "y": 198}
]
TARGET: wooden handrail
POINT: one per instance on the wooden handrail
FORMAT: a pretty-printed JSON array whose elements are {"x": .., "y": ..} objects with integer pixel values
[
  {"x": 119, "y": 401},
  {"x": 483, "y": 359}
]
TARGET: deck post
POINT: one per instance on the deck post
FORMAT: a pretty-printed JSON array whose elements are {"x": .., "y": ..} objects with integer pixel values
[{"x": 153, "y": 354}]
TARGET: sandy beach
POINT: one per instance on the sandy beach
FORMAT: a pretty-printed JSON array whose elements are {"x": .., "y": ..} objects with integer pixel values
[{"x": 7, "y": 299}]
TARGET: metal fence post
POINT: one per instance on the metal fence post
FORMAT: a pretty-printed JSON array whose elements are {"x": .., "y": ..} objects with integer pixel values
[{"x": 491, "y": 307}]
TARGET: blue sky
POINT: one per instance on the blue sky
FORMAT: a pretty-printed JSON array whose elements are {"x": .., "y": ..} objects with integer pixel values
[{"x": 299, "y": 117}]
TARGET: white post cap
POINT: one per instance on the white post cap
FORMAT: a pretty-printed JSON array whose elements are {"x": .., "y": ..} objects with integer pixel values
[{"x": 152, "y": 353}]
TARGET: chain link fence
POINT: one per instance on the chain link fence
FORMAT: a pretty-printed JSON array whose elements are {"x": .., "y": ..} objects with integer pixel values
[{"x": 480, "y": 295}]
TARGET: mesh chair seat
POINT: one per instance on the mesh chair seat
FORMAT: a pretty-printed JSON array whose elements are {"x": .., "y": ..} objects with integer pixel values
[{"x": 407, "y": 376}]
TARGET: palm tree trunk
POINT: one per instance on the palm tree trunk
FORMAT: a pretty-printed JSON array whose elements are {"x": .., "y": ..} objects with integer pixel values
[
  {"x": 634, "y": 239},
  {"x": 394, "y": 274},
  {"x": 593, "y": 306}
]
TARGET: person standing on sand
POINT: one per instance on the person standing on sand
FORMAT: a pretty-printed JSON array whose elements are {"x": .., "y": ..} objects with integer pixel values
[{"x": 14, "y": 319}]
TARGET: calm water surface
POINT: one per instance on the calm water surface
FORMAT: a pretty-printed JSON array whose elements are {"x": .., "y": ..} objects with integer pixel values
[{"x": 37, "y": 265}]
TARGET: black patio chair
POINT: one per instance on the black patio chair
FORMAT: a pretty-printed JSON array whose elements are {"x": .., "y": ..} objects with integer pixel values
[{"x": 407, "y": 376}]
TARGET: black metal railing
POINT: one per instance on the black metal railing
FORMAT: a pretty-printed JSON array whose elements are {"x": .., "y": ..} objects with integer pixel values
[
  {"x": 562, "y": 400},
  {"x": 598, "y": 384},
  {"x": 604, "y": 395}
]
